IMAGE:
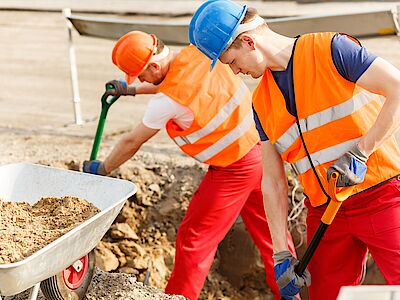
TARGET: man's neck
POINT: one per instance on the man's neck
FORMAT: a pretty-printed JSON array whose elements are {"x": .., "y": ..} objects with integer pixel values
[
  {"x": 168, "y": 60},
  {"x": 277, "y": 50}
]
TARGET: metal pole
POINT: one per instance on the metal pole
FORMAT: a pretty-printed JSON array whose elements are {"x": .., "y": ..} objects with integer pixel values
[
  {"x": 396, "y": 15},
  {"x": 73, "y": 70},
  {"x": 34, "y": 291}
]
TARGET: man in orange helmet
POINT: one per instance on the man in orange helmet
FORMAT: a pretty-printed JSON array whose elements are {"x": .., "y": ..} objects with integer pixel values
[{"x": 209, "y": 116}]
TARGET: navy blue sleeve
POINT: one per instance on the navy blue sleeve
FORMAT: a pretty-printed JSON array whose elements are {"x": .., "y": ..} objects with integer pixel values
[
  {"x": 261, "y": 132},
  {"x": 351, "y": 60}
]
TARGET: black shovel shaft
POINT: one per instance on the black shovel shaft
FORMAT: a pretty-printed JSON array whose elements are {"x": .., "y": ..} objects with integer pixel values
[{"x": 316, "y": 239}]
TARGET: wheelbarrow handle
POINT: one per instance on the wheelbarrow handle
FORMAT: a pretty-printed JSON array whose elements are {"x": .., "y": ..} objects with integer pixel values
[
  {"x": 106, "y": 102},
  {"x": 337, "y": 198}
]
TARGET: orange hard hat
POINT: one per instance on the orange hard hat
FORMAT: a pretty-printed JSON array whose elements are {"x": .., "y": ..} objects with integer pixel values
[{"x": 133, "y": 52}]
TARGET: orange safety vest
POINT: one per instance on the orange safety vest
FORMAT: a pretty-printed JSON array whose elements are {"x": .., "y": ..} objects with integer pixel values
[
  {"x": 223, "y": 129},
  {"x": 332, "y": 114}
]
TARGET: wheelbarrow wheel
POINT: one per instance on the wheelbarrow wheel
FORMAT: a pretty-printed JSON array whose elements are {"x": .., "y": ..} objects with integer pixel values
[{"x": 72, "y": 283}]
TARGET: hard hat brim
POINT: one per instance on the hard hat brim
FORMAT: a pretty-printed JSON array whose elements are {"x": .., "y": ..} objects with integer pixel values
[
  {"x": 213, "y": 63},
  {"x": 130, "y": 79}
]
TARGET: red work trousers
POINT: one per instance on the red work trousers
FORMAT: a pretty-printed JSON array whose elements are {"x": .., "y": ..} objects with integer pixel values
[
  {"x": 368, "y": 220},
  {"x": 223, "y": 194}
]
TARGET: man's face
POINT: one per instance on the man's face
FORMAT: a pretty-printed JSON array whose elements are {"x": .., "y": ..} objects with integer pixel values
[
  {"x": 152, "y": 74},
  {"x": 245, "y": 59}
]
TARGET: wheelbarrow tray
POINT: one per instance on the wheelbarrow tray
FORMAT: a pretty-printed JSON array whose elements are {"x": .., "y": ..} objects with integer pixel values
[{"x": 29, "y": 182}]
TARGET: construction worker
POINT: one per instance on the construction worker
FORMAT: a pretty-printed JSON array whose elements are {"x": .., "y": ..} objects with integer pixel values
[
  {"x": 318, "y": 108},
  {"x": 209, "y": 116}
]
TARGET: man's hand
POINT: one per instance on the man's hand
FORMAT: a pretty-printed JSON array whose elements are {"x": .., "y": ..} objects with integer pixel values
[
  {"x": 94, "y": 167},
  {"x": 351, "y": 167},
  {"x": 120, "y": 88},
  {"x": 288, "y": 281}
]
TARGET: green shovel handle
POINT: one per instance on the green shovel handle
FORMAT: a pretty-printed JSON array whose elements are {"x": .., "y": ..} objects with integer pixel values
[{"x": 106, "y": 102}]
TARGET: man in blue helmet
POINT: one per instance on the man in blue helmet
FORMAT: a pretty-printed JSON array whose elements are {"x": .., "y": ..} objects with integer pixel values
[{"x": 317, "y": 108}]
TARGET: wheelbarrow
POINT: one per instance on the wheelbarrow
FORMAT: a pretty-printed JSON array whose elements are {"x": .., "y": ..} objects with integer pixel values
[{"x": 64, "y": 268}]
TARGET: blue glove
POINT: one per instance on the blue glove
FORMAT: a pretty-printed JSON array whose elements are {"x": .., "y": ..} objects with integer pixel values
[
  {"x": 351, "y": 166},
  {"x": 289, "y": 283},
  {"x": 94, "y": 167}
]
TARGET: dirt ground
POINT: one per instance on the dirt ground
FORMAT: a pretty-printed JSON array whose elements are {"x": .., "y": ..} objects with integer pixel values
[{"x": 36, "y": 125}]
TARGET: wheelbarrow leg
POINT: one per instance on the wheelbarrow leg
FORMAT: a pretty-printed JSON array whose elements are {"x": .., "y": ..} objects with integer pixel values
[{"x": 34, "y": 291}]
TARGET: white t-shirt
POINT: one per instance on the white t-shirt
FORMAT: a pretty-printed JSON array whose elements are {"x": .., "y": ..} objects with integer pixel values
[{"x": 162, "y": 108}]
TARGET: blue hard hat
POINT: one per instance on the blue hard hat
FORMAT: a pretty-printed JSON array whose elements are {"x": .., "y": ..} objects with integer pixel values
[
  {"x": 213, "y": 25},
  {"x": 194, "y": 18}
]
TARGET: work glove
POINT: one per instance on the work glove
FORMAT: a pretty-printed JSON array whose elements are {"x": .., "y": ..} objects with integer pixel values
[
  {"x": 351, "y": 167},
  {"x": 120, "y": 88},
  {"x": 289, "y": 283},
  {"x": 94, "y": 167}
]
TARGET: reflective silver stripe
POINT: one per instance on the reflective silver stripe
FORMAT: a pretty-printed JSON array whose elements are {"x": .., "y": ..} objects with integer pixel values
[
  {"x": 228, "y": 139},
  {"x": 180, "y": 141},
  {"x": 220, "y": 117},
  {"x": 320, "y": 157},
  {"x": 323, "y": 117}
]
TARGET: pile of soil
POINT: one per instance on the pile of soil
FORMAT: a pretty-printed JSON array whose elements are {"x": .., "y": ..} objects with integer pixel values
[
  {"x": 26, "y": 228},
  {"x": 114, "y": 286}
]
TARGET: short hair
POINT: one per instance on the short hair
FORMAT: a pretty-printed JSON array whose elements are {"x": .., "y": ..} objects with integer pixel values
[
  {"x": 160, "y": 46},
  {"x": 251, "y": 14}
]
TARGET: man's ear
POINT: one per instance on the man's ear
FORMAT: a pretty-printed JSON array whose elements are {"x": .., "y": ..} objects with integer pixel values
[
  {"x": 248, "y": 40},
  {"x": 155, "y": 66}
]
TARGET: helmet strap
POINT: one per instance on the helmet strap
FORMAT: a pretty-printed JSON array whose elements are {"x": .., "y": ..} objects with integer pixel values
[
  {"x": 160, "y": 56},
  {"x": 253, "y": 24}
]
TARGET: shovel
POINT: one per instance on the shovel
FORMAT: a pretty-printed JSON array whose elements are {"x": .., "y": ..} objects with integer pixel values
[
  {"x": 106, "y": 102},
  {"x": 336, "y": 201}
]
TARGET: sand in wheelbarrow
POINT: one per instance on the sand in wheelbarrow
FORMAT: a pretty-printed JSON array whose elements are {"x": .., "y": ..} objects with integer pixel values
[{"x": 26, "y": 228}]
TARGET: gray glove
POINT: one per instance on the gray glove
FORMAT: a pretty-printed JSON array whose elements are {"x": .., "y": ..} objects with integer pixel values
[
  {"x": 351, "y": 166},
  {"x": 288, "y": 281},
  {"x": 120, "y": 88}
]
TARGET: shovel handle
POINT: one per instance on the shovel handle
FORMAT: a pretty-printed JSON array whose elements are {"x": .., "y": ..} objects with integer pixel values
[
  {"x": 106, "y": 102},
  {"x": 337, "y": 198}
]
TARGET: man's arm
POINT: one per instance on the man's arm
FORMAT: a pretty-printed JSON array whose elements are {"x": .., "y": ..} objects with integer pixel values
[
  {"x": 384, "y": 79},
  {"x": 146, "y": 88},
  {"x": 275, "y": 190},
  {"x": 122, "y": 89},
  {"x": 275, "y": 187},
  {"x": 128, "y": 146}
]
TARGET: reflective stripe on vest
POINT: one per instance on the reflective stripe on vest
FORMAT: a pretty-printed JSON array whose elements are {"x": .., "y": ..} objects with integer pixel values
[
  {"x": 323, "y": 117},
  {"x": 219, "y": 118},
  {"x": 323, "y": 156},
  {"x": 228, "y": 139}
]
